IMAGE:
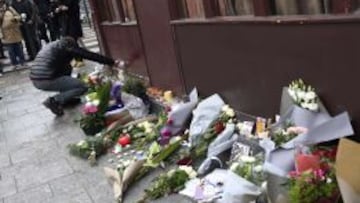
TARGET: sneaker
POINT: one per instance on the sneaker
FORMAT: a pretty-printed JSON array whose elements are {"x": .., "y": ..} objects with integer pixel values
[
  {"x": 54, "y": 106},
  {"x": 22, "y": 66}
]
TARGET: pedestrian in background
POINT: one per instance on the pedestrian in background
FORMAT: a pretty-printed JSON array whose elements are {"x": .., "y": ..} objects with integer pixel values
[
  {"x": 71, "y": 23},
  {"x": 43, "y": 7},
  {"x": 52, "y": 22},
  {"x": 28, "y": 28},
  {"x": 11, "y": 35}
]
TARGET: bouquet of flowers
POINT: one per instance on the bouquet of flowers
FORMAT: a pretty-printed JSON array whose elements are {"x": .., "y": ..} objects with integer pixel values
[
  {"x": 138, "y": 135},
  {"x": 93, "y": 147},
  {"x": 93, "y": 120},
  {"x": 227, "y": 115},
  {"x": 171, "y": 182},
  {"x": 283, "y": 135},
  {"x": 303, "y": 95},
  {"x": 249, "y": 168},
  {"x": 314, "y": 179}
]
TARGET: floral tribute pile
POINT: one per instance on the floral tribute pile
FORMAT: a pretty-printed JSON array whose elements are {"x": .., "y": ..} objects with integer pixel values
[{"x": 212, "y": 155}]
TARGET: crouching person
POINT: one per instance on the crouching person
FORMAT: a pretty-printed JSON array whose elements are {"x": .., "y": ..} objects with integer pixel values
[{"x": 51, "y": 71}]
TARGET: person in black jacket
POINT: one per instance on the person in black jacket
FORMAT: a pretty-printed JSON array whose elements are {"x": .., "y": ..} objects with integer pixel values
[
  {"x": 43, "y": 8},
  {"x": 69, "y": 15},
  {"x": 51, "y": 71}
]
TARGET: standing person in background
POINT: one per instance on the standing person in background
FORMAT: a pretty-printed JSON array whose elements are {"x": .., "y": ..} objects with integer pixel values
[
  {"x": 28, "y": 28},
  {"x": 71, "y": 23},
  {"x": 53, "y": 20},
  {"x": 11, "y": 34},
  {"x": 42, "y": 8}
]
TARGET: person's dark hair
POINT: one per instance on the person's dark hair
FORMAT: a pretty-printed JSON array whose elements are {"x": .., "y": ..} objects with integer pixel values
[{"x": 68, "y": 41}]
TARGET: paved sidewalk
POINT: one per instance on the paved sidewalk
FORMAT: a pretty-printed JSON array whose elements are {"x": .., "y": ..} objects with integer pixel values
[{"x": 35, "y": 165}]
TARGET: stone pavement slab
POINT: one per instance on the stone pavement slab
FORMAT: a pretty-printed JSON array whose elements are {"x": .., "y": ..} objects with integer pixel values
[
  {"x": 38, "y": 194},
  {"x": 7, "y": 187}
]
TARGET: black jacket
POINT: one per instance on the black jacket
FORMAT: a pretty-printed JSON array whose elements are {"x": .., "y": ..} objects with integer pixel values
[
  {"x": 25, "y": 6},
  {"x": 54, "y": 59},
  {"x": 70, "y": 19}
]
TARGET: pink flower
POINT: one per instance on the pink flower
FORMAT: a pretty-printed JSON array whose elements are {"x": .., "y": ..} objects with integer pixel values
[
  {"x": 170, "y": 121},
  {"x": 90, "y": 109},
  {"x": 319, "y": 174},
  {"x": 297, "y": 130},
  {"x": 293, "y": 174},
  {"x": 165, "y": 132}
]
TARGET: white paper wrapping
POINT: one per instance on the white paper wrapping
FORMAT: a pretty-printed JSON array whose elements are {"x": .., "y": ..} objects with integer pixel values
[
  {"x": 234, "y": 190},
  {"x": 204, "y": 115},
  {"x": 133, "y": 104},
  {"x": 181, "y": 112}
]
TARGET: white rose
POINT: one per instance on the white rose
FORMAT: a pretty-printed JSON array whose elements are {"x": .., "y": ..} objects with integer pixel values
[
  {"x": 313, "y": 106},
  {"x": 234, "y": 166},
  {"x": 248, "y": 159},
  {"x": 225, "y": 108},
  {"x": 258, "y": 168},
  {"x": 301, "y": 94},
  {"x": 87, "y": 98},
  {"x": 230, "y": 112},
  {"x": 328, "y": 180},
  {"x": 304, "y": 105},
  {"x": 148, "y": 130},
  {"x": 96, "y": 102},
  {"x": 239, "y": 125},
  {"x": 171, "y": 172},
  {"x": 81, "y": 143},
  {"x": 310, "y": 96},
  {"x": 189, "y": 170}
]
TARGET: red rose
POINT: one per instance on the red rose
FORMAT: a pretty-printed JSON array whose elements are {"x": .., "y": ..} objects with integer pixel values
[
  {"x": 219, "y": 127},
  {"x": 124, "y": 140}
]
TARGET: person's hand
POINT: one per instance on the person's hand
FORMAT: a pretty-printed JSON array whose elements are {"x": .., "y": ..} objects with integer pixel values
[
  {"x": 57, "y": 10},
  {"x": 64, "y": 8},
  {"x": 120, "y": 63}
]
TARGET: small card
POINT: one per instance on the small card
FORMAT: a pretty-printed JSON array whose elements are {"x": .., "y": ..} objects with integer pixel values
[
  {"x": 239, "y": 149},
  {"x": 247, "y": 128}
]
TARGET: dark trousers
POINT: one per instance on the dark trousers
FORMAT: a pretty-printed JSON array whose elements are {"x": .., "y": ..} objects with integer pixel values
[
  {"x": 31, "y": 40},
  {"x": 54, "y": 28},
  {"x": 67, "y": 87},
  {"x": 43, "y": 32},
  {"x": 16, "y": 53}
]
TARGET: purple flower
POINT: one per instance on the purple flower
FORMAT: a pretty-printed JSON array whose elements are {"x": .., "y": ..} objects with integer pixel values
[{"x": 165, "y": 132}]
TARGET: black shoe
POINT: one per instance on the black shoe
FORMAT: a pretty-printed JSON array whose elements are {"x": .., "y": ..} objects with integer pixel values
[
  {"x": 54, "y": 106},
  {"x": 72, "y": 102}
]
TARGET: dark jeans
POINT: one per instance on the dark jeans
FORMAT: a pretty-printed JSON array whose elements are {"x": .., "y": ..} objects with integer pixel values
[
  {"x": 16, "y": 53},
  {"x": 32, "y": 43},
  {"x": 67, "y": 86}
]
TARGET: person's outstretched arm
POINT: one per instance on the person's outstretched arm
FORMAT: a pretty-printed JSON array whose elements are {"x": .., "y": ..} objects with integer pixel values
[{"x": 83, "y": 53}]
